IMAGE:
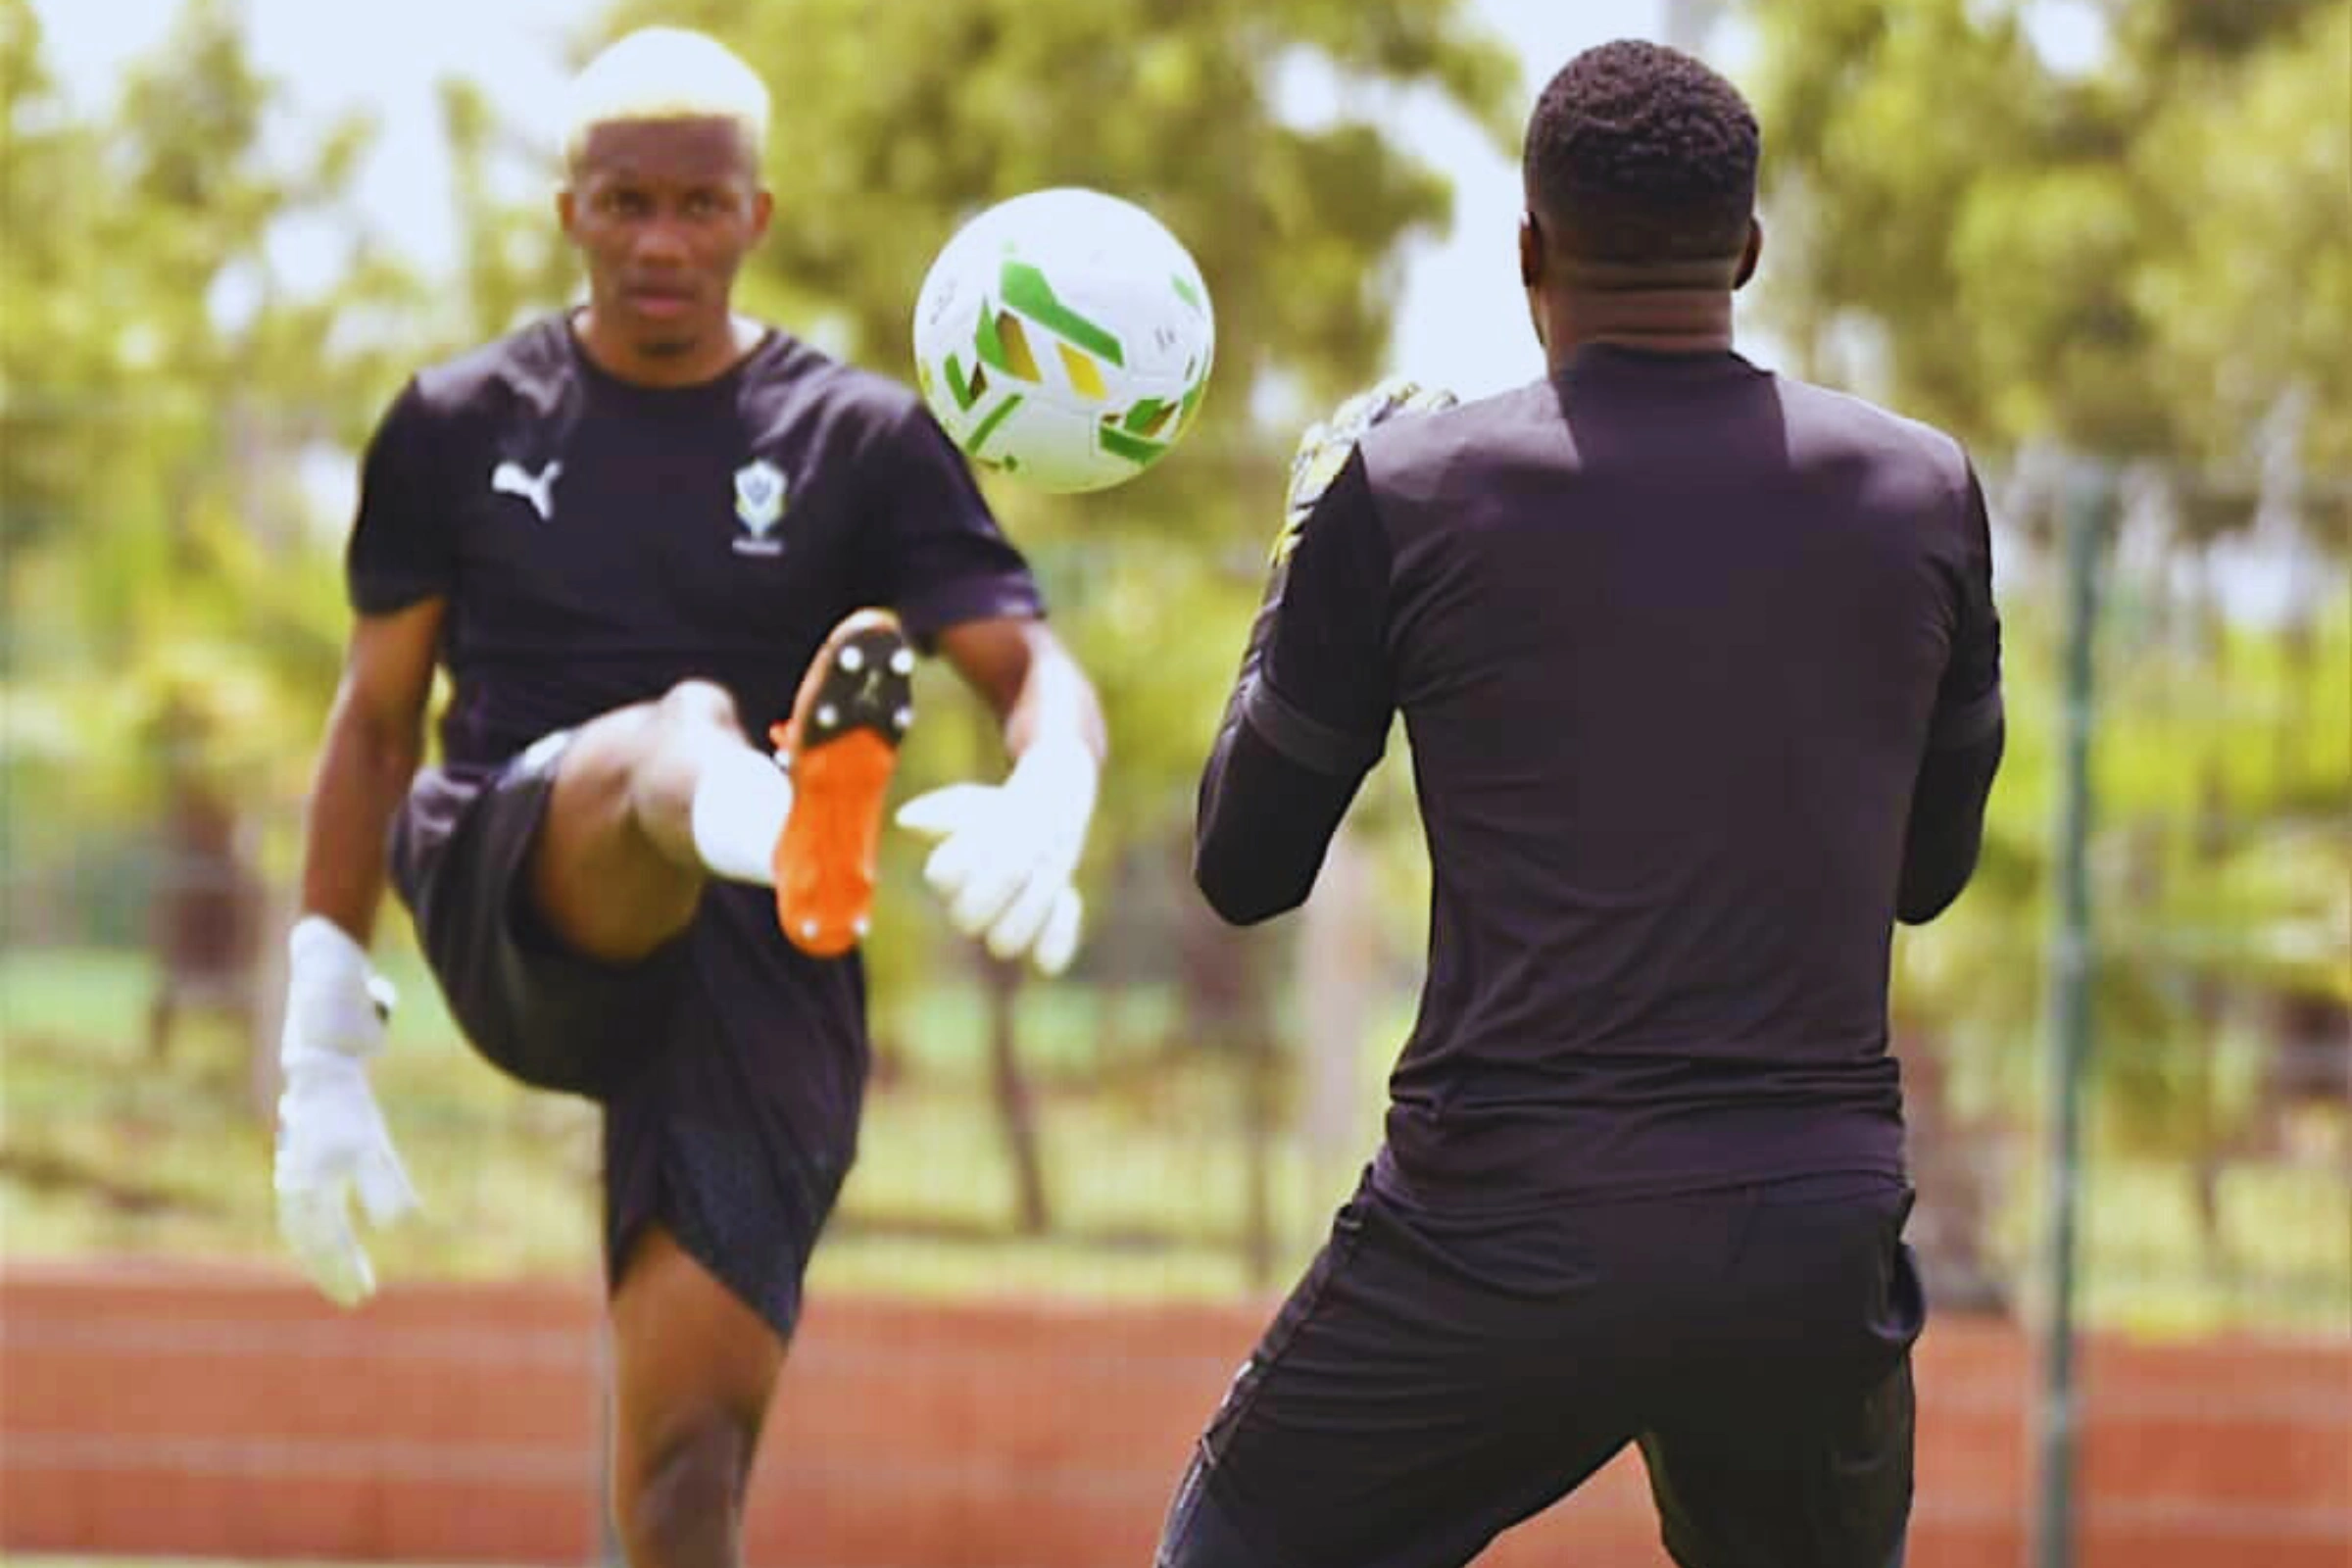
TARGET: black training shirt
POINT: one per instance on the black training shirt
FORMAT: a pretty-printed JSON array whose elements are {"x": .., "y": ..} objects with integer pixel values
[
  {"x": 599, "y": 541},
  {"x": 1674, "y": 640}
]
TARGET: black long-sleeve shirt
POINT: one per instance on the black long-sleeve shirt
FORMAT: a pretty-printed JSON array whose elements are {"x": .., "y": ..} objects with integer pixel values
[{"x": 1699, "y": 669}]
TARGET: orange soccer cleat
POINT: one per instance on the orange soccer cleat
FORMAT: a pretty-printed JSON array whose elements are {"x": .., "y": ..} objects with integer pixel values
[{"x": 841, "y": 745}]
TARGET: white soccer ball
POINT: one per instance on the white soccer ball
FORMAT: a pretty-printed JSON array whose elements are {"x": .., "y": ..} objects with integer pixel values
[{"x": 1064, "y": 337}]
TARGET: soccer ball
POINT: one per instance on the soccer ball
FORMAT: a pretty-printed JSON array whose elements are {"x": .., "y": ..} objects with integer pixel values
[{"x": 1064, "y": 337}]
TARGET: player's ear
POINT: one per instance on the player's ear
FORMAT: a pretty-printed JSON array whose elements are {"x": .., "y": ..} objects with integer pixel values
[
  {"x": 764, "y": 208},
  {"x": 1748, "y": 255},
  {"x": 568, "y": 209},
  {"x": 1531, "y": 275}
]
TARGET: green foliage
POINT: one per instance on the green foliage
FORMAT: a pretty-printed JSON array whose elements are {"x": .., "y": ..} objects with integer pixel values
[
  {"x": 172, "y": 617},
  {"x": 514, "y": 262},
  {"x": 2221, "y": 870},
  {"x": 2142, "y": 260}
]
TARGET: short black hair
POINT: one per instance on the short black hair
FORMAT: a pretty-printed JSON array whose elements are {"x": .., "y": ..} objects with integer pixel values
[{"x": 1640, "y": 153}]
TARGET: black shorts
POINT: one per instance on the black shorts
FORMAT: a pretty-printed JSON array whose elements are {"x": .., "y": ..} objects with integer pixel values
[
  {"x": 731, "y": 1067},
  {"x": 1430, "y": 1384},
  {"x": 537, "y": 1010}
]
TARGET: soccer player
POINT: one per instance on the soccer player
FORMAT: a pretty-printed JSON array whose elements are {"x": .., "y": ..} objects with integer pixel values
[
  {"x": 1699, "y": 666},
  {"x": 638, "y": 534}
]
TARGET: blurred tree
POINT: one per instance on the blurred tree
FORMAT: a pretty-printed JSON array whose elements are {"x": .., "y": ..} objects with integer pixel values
[
  {"x": 2223, "y": 891},
  {"x": 2137, "y": 255},
  {"x": 171, "y": 630},
  {"x": 2141, "y": 259},
  {"x": 514, "y": 260}
]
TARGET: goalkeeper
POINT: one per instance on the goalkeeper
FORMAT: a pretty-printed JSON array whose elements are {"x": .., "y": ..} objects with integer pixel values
[{"x": 1699, "y": 669}]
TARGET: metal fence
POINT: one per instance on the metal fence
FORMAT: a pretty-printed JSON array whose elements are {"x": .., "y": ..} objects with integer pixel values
[{"x": 2127, "y": 1058}]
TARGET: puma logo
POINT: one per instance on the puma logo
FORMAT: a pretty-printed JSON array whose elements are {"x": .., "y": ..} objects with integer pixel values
[{"x": 511, "y": 478}]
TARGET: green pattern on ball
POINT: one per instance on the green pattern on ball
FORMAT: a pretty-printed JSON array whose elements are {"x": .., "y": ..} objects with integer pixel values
[
  {"x": 1027, "y": 291},
  {"x": 987, "y": 426}
]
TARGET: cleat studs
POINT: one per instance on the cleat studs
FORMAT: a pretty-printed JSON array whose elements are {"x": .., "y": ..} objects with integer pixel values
[
  {"x": 852, "y": 658},
  {"x": 827, "y": 715},
  {"x": 808, "y": 929},
  {"x": 901, "y": 719},
  {"x": 861, "y": 925},
  {"x": 902, "y": 662}
]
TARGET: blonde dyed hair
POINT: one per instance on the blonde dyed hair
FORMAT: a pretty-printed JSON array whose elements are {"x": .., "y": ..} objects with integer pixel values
[{"x": 664, "y": 74}]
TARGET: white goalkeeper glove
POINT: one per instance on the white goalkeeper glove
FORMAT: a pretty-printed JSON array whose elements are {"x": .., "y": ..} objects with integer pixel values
[
  {"x": 1005, "y": 852},
  {"x": 331, "y": 1139}
]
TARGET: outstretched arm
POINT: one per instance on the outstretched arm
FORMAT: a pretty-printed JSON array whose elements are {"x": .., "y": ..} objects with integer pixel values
[
  {"x": 332, "y": 1143},
  {"x": 1018, "y": 667}
]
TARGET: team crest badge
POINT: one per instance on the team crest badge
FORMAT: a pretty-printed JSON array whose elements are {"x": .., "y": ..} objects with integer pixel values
[{"x": 760, "y": 494}]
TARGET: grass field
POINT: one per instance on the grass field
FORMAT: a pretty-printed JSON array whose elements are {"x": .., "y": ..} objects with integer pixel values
[
  {"x": 102, "y": 1153},
  {"x": 105, "y": 1153}
]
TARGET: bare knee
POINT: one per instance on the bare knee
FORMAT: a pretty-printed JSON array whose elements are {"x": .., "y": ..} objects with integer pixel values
[
  {"x": 630, "y": 756},
  {"x": 693, "y": 1371},
  {"x": 685, "y": 722},
  {"x": 680, "y": 1495},
  {"x": 615, "y": 871},
  {"x": 696, "y": 706}
]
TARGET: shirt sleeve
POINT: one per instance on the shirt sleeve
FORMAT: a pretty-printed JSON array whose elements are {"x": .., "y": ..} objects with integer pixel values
[
  {"x": 1308, "y": 716},
  {"x": 1967, "y": 703},
  {"x": 402, "y": 541},
  {"x": 1324, "y": 694},
  {"x": 1965, "y": 738},
  {"x": 1263, "y": 826},
  {"x": 935, "y": 553},
  {"x": 1946, "y": 829}
]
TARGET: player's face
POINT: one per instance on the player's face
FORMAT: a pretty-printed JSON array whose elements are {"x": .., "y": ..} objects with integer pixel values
[{"x": 663, "y": 213}]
